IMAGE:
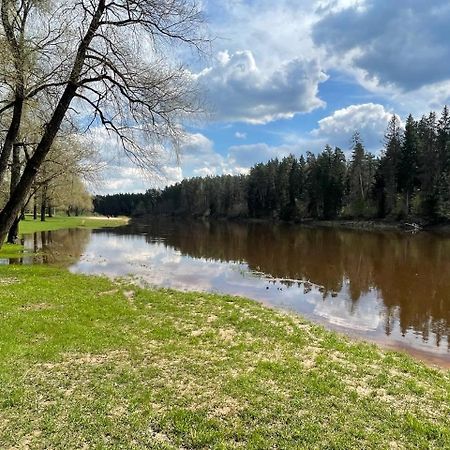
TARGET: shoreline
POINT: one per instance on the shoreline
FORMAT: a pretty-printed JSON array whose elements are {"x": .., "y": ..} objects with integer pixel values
[
  {"x": 199, "y": 370},
  {"x": 369, "y": 225}
]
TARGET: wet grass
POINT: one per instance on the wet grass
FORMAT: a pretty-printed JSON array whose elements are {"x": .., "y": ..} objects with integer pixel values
[{"x": 89, "y": 363}]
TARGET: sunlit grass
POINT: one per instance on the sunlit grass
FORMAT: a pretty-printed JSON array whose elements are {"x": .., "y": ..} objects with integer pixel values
[
  {"x": 63, "y": 222},
  {"x": 88, "y": 362},
  {"x": 11, "y": 251}
]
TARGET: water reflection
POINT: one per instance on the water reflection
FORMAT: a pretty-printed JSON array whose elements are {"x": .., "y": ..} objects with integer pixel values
[
  {"x": 371, "y": 280},
  {"x": 62, "y": 247},
  {"x": 389, "y": 287}
]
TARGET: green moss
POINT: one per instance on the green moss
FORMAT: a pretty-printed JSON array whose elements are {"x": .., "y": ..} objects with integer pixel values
[{"x": 86, "y": 361}]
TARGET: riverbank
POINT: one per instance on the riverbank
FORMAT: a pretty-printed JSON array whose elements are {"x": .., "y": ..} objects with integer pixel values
[
  {"x": 89, "y": 362},
  {"x": 63, "y": 222},
  {"x": 365, "y": 224},
  {"x": 29, "y": 226}
]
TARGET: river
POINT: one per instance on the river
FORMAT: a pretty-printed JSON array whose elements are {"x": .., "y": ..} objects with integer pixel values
[{"x": 392, "y": 288}]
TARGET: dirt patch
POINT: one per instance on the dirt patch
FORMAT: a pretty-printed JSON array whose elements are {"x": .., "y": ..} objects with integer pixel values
[
  {"x": 8, "y": 281},
  {"x": 36, "y": 307}
]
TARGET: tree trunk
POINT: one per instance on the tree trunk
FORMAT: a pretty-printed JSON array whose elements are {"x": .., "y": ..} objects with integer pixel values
[
  {"x": 35, "y": 207},
  {"x": 18, "y": 198},
  {"x": 16, "y": 46},
  {"x": 11, "y": 135},
  {"x": 13, "y": 232},
  {"x": 43, "y": 203},
  {"x": 15, "y": 178}
]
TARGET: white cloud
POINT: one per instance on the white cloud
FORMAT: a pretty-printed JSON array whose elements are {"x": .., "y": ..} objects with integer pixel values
[
  {"x": 239, "y": 135},
  {"x": 387, "y": 47},
  {"x": 239, "y": 90},
  {"x": 122, "y": 179},
  {"x": 391, "y": 47},
  {"x": 198, "y": 156},
  {"x": 369, "y": 119}
]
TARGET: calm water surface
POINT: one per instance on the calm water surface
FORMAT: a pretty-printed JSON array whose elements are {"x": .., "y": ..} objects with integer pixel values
[{"x": 391, "y": 288}]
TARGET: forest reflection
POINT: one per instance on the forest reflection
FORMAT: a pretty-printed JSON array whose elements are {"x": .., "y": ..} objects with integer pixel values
[
  {"x": 411, "y": 273},
  {"x": 61, "y": 247}
]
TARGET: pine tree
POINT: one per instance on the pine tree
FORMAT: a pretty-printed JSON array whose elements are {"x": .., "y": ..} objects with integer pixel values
[
  {"x": 390, "y": 164},
  {"x": 443, "y": 144},
  {"x": 408, "y": 163},
  {"x": 357, "y": 183},
  {"x": 429, "y": 166}
]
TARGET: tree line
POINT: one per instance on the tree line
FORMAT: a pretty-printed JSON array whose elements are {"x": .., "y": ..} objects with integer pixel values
[{"x": 410, "y": 178}]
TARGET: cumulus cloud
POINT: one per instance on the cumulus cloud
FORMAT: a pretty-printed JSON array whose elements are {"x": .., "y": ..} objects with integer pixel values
[
  {"x": 369, "y": 119},
  {"x": 199, "y": 158},
  {"x": 401, "y": 45},
  {"x": 239, "y": 90}
]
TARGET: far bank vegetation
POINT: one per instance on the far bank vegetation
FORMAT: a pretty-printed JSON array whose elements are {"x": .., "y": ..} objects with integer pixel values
[{"x": 409, "y": 180}]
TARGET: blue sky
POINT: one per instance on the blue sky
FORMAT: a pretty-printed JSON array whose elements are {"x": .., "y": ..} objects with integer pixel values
[{"x": 293, "y": 75}]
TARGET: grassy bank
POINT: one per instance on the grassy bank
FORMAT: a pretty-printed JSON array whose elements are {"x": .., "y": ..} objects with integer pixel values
[
  {"x": 88, "y": 363},
  {"x": 63, "y": 222},
  {"x": 57, "y": 223}
]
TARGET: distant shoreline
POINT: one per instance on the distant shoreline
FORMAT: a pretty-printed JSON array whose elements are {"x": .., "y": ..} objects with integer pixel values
[{"x": 405, "y": 226}]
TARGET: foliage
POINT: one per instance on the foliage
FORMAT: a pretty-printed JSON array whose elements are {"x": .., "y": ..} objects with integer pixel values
[
  {"x": 69, "y": 66},
  {"x": 410, "y": 179}
]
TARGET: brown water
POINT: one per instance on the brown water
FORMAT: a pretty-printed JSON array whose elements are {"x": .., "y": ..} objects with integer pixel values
[{"x": 388, "y": 287}]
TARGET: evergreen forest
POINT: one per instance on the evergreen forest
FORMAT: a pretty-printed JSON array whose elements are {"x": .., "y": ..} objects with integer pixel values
[{"x": 408, "y": 179}]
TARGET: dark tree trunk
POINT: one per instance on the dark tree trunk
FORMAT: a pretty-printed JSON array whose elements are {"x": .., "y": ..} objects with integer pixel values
[
  {"x": 15, "y": 178},
  {"x": 35, "y": 207},
  {"x": 11, "y": 137},
  {"x": 50, "y": 211},
  {"x": 43, "y": 202},
  {"x": 18, "y": 198},
  {"x": 13, "y": 233},
  {"x": 16, "y": 47},
  {"x": 43, "y": 205}
]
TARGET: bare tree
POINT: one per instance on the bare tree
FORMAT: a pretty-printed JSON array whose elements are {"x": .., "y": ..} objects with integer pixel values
[{"x": 114, "y": 65}]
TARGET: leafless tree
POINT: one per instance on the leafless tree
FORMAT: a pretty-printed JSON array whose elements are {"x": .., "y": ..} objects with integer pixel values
[{"x": 96, "y": 62}]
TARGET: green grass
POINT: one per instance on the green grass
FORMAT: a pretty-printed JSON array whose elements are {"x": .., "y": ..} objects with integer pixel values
[
  {"x": 89, "y": 363},
  {"x": 11, "y": 251},
  {"x": 57, "y": 223}
]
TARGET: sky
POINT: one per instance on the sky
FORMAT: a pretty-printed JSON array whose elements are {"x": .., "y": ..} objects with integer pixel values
[{"x": 294, "y": 75}]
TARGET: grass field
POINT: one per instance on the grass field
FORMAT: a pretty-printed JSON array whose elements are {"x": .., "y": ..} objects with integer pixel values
[
  {"x": 63, "y": 222},
  {"x": 90, "y": 363}
]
